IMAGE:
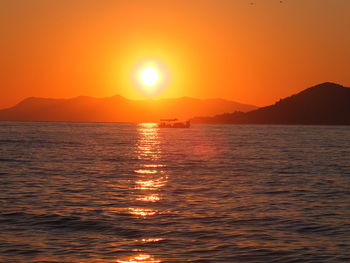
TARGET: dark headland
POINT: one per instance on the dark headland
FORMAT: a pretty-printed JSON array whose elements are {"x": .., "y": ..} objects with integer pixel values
[{"x": 324, "y": 104}]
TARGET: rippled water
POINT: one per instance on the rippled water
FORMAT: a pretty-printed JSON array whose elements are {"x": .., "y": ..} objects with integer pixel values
[{"x": 78, "y": 192}]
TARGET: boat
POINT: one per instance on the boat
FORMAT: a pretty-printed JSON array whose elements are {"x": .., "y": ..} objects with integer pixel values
[{"x": 173, "y": 123}]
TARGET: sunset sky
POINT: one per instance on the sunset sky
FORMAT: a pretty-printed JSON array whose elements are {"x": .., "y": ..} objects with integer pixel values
[{"x": 255, "y": 51}]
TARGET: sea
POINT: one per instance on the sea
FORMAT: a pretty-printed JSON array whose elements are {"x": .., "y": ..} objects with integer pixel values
[{"x": 124, "y": 192}]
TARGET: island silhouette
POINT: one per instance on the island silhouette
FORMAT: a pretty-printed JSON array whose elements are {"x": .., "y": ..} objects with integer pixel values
[
  {"x": 324, "y": 104},
  {"x": 117, "y": 109}
]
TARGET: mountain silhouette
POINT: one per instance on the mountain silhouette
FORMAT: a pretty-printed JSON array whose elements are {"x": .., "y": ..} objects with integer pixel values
[
  {"x": 324, "y": 104},
  {"x": 116, "y": 109}
]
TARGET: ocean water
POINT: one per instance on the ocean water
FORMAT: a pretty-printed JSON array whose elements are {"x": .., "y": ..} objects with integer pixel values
[{"x": 97, "y": 192}]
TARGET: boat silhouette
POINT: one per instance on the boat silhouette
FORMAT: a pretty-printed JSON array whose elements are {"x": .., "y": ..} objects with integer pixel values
[{"x": 173, "y": 123}]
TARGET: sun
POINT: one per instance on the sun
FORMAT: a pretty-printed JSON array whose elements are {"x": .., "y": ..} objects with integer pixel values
[{"x": 149, "y": 76}]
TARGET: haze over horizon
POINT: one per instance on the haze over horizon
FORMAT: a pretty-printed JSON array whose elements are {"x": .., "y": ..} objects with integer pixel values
[
  {"x": 323, "y": 104},
  {"x": 150, "y": 99},
  {"x": 249, "y": 53}
]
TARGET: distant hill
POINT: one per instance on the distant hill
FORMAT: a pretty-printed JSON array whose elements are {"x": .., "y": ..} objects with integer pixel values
[
  {"x": 117, "y": 109},
  {"x": 324, "y": 104}
]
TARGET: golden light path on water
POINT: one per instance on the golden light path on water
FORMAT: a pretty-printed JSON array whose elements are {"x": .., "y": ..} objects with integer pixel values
[
  {"x": 140, "y": 258},
  {"x": 150, "y": 179}
]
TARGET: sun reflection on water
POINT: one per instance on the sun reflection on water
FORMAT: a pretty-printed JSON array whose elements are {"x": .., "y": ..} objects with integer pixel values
[
  {"x": 145, "y": 258},
  {"x": 152, "y": 184},
  {"x": 149, "y": 198},
  {"x": 145, "y": 171},
  {"x": 150, "y": 178},
  {"x": 148, "y": 147},
  {"x": 142, "y": 212},
  {"x": 154, "y": 165},
  {"x": 151, "y": 240}
]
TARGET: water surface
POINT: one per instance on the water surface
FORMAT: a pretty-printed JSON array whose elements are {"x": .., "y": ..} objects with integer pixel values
[{"x": 97, "y": 192}]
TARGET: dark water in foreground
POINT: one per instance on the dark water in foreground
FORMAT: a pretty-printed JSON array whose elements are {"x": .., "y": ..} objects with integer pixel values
[{"x": 73, "y": 192}]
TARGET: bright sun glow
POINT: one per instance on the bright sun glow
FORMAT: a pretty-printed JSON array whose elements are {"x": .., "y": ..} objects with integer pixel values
[{"x": 149, "y": 76}]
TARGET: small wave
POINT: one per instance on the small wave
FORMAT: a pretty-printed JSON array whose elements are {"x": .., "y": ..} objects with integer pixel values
[
  {"x": 68, "y": 223},
  {"x": 13, "y": 160}
]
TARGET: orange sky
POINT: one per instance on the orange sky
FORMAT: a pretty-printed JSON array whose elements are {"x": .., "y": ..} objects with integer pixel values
[{"x": 210, "y": 48}]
